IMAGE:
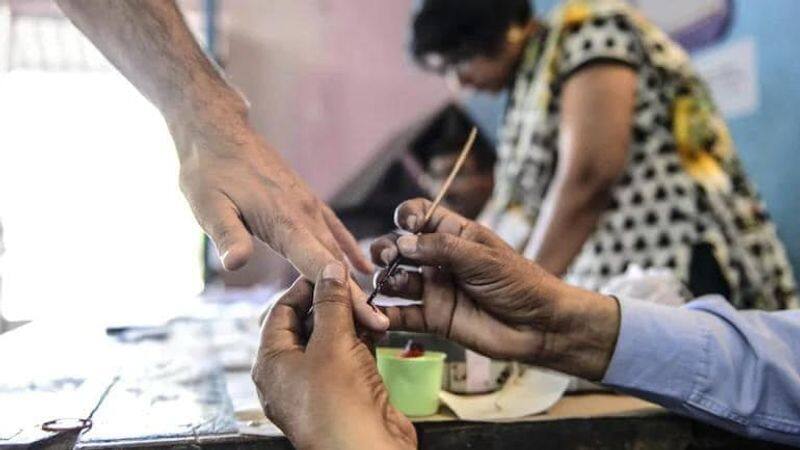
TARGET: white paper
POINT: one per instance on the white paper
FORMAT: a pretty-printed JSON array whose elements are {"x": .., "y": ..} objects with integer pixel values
[
  {"x": 386, "y": 302},
  {"x": 531, "y": 392},
  {"x": 656, "y": 285},
  {"x": 479, "y": 372}
]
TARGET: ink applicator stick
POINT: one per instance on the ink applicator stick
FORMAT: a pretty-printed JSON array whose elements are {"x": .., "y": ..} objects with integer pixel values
[{"x": 392, "y": 267}]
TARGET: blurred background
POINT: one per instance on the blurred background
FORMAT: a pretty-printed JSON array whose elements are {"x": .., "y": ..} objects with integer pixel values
[{"x": 89, "y": 200}]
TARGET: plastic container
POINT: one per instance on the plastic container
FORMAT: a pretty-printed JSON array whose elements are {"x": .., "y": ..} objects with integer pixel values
[{"x": 413, "y": 383}]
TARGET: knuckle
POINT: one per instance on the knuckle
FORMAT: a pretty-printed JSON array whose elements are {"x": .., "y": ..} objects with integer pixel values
[
  {"x": 277, "y": 230},
  {"x": 444, "y": 243},
  {"x": 255, "y": 373},
  {"x": 264, "y": 316},
  {"x": 221, "y": 232},
  {"x": 471, "y": 231},
  {"x": 300, "y": 290},
  {"x": 310, "y": 206},
  {"x": 329, "y": 304},
  {"x": 495, "y": 258},
  {"x": 379, "y": 245},
  {"x": 332, "y": 290},
  {"x": 288, "y": 224},
  {"x": 407, "y": 208}
]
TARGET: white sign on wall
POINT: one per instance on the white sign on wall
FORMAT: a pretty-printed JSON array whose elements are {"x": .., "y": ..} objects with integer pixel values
[
  {"x": 694, "y": 24},
  {"x": 731, "y": 72}
]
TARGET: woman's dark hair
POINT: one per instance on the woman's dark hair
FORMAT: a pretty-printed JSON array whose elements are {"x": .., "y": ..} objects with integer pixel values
[
  {"x": 446, "y": 133},
  {"x": 458, "y": 30}
]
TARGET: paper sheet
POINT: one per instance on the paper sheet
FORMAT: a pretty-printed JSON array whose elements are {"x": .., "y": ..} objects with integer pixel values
[{"x": 531, "y": 392}]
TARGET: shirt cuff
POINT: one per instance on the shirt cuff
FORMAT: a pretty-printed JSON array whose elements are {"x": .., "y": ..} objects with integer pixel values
[{"x": 660, "y": 352}]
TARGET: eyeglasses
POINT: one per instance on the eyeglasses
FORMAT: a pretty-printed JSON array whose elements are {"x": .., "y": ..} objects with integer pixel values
[{"x": 436, "y": 62}]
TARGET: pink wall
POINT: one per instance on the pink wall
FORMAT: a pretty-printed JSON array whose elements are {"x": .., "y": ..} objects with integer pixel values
[{"x": 328, "y": 81}]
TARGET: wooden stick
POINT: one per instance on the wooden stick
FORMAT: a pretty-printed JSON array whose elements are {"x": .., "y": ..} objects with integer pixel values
[{"x": 462, "y": 158}]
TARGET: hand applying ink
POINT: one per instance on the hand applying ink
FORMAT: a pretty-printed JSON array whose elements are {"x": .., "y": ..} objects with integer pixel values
[{"x": 412, "y": 222}]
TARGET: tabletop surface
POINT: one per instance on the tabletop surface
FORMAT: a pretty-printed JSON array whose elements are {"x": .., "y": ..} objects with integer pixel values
[{"x": 184, "y": 387}]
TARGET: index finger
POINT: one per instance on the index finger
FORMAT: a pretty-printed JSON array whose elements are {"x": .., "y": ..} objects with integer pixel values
[
  {"x": 309, "y": 256},
  {"x": 410, "y": 216}
]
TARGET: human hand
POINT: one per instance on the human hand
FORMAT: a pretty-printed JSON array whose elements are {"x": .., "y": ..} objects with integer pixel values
[
  {"x": 325, "y": 393},
  {"x": 478, "y": 291},
  {"x": 239, "y": 186}
]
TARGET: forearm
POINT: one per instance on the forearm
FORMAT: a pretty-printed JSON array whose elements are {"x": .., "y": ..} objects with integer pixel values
[
  {"x": 568, "y": 217},
  {"x": 737, "y": 370},
  {"x": 593, "y": 142},
  {"x": 149, "y": 42}
]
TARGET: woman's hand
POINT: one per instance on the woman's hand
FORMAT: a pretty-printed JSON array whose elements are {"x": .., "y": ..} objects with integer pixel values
[
  {"x": 325, "y": 393},
  {"x": 478, "y": 291}
]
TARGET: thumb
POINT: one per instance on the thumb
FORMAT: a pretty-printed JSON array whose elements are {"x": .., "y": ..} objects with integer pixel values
[
  {"x": 225, "y": 228},
  {"x": 333, "y": 307}
]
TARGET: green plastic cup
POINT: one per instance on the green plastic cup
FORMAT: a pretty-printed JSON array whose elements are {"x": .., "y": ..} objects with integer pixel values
[{"x": 413, "y": 383}]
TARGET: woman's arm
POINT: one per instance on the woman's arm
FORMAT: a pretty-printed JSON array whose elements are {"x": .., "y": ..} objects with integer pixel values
[{"x": 595, "y": 130}]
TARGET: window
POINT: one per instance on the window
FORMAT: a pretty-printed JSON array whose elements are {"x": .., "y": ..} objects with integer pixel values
[{"x": 95, "y": 224}]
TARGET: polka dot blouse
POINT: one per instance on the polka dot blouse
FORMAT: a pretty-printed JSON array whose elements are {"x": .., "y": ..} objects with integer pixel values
[{"x": 683, "y": 201}]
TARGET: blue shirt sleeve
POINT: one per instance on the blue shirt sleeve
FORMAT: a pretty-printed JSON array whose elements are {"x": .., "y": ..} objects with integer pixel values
[{"x": 739, "y": 370}]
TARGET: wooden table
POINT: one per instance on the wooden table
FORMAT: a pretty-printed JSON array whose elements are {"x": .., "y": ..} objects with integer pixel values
[{"x": 173, "y": 392}]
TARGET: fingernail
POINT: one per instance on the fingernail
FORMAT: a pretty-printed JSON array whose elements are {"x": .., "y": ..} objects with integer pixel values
[
  {"x": 223, "y": 257},
  {"x": 411, "y": 223},
  {"x": 333, "y": 271},
  {"x": 407, "y": 244},
  {"x": 388, "y": 255},
  {"x": 381, "y": 317}
]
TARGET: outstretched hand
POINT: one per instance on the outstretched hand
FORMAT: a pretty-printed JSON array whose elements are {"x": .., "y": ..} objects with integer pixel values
[{"x": 239, "y": 187}]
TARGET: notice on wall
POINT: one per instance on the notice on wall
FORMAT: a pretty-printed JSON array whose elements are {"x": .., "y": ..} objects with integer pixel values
[
  {"x": 677, "y": 15},
  {"x": 695, "y": 24},
  {"x": 731, "y": 71}
]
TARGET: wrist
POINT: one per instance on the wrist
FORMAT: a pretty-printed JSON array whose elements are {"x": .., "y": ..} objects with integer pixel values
[
  {"x": 582, "y": 339},
  {"x": 207, "y": 106},
  {"x": 217, "y": 125}
]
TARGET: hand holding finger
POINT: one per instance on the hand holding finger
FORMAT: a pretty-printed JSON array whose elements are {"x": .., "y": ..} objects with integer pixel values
[
  {"x": 333, "y": 306},
  {"x": 281, "y": 347},
  {"x": 282, "y": 330},
  {"x": 310, "y": 257}
]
